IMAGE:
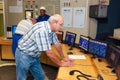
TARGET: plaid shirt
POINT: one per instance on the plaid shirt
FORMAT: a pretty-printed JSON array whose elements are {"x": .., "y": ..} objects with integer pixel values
[{"x": 38, "y": 39}]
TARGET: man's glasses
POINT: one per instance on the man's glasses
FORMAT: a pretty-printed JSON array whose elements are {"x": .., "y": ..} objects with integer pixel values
[{"x": 60, "y": 24}]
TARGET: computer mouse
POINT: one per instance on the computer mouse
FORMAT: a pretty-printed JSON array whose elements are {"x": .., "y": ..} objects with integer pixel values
[
  {"x": 69, "y": 53},
  {"x": 100, "y": 60},
  {"x": 70, "y": 48},
  {"x": 113, "y": 71}
]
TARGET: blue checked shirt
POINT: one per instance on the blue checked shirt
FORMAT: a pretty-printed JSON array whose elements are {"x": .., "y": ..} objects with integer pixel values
[{"x": 38, "y": 39}]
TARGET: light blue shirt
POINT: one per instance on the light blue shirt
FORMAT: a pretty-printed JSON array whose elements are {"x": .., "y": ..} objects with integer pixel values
[{"x": 38, "y": 39}]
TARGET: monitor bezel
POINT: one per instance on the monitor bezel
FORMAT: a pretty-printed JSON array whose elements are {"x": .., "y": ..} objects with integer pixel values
[
  {"x": 68, "y": 32},
  {"x": 79, "y": 42},
  {"x": 99, "y": 56},
  {"x": 111, "y": 62},
  {"x": 30, "y": 12}
]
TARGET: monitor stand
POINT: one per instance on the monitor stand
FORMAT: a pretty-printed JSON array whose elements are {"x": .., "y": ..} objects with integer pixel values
[
  {"x": 113, "y": 71},
  {"x": 83, "y": 51},
  {"x": 71, "y": 48},
  {"x": 99, "y": 59},
  {"x": 108, "y": 66}
]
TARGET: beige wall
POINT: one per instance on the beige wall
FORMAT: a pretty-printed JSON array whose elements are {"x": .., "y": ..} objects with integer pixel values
[
  {"x": 89, "y": 29},
  {"x": 11, "y": 18}
]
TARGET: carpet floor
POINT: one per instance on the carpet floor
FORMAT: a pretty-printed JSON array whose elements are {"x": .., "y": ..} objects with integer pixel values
[{"x": 8, "y": 72}]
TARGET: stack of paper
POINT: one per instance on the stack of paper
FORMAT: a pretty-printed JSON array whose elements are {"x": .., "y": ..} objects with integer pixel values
[{"x": 77, "y": 56}]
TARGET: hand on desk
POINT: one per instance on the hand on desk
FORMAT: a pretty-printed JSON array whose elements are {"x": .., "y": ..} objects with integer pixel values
[{"x": 67, "y": 62}]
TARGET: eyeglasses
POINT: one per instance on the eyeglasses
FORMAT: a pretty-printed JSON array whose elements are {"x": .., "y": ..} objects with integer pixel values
[{"x": 60, "y": 24}]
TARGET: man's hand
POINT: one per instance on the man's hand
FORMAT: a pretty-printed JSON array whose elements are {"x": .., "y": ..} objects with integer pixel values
[
  {"x": 67, "y": 62},
  {"x": 67, "y": 59}
]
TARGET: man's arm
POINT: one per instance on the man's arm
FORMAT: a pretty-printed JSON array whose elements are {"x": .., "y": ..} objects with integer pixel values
[
  {"x": 59, "y": 50},
  {"x": 55, "y": 59}
]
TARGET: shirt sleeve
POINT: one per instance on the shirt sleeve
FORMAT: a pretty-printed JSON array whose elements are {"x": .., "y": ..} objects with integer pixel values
[{"x": 42, "y": 41}]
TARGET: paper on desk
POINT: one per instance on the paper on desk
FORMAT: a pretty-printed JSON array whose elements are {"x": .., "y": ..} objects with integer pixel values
[{"x": 77, "y": 56}]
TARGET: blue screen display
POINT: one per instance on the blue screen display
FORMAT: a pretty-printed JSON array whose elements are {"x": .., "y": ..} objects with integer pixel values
[
  {"x": 70, "y": 38},
  {"x": 14, "y": 27},
  {"x": 97, "y": 48},
  {"x": 83, "y": 42}
]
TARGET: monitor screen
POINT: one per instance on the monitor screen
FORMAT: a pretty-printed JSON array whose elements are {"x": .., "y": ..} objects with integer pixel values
[
  {"x": 83, "y": 42},
  {"x": 97, "y": 48},
  {"x": 14, "y": 27},
  {"x": 28, "y": 14},
  {"x": 70, "y": 38},
  {"x": 113, "y": 55}
]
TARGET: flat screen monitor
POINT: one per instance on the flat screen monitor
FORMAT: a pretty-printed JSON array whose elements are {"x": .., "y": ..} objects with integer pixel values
[
  {"x": 97, "y": 48},
  {"x": 9, "y": 33},
  {"x": 60, "y": 36},
  {"x": 70, "y": 38},
  {"x": 14, "y": 27},
  {"x": 113, "y": 55},
  {"x": 118, "y": 70},
  {"x": 84, "y": 42},
  {"x": 28, "y": 14}
]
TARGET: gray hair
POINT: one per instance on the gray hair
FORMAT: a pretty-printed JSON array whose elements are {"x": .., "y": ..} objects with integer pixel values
[{"x": 53, "y": 19}]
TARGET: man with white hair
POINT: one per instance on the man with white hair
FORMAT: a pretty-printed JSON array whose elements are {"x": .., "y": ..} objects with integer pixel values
[
  {"x": 43, "y": 16},
  {"x": 22, "y": 27},
  {"x": 36, "y": 41}
]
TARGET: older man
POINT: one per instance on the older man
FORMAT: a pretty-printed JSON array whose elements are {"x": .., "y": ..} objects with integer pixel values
[{"x": 37, "y": 40}]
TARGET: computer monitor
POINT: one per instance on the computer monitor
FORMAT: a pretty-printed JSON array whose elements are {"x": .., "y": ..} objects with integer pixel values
[
  {"x": 14, "y": 27},
  {"x": 60, "y": 36},
  {"x": 97, "y": 48},
  {"x": 113, "y": 55},
  {"x": 70, "y": 38},
  {"x": 83, "y": 42},
  {"x": 9, "y": 32},
  {"x": 28, "y": 14},
  {"x": 118, "y": 70}
]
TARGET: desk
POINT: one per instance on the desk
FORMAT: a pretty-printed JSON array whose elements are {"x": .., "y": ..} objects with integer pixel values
[
  {"x": 104, "y": 71},
  {"x": 63, "y": 73},
  {"x": 84, "y": 65},
  {"x": 6, "y": 49},
  {"x": 88, "y": 66},
  {"x": 115, "y": 38}
]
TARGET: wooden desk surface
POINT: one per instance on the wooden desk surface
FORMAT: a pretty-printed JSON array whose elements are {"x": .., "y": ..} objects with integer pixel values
[
  {"x": 104, "y": 71},
  {"x": 83, "y": 65},
  {"x": 63, "y": 73},
  {"x": 6, "y": 49},
  {"x": 75, "y": 51},
  {"x": 114, "y": 38},
  {"x": 86, "y": 66},
  {"x": 4, "y": 41}
]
